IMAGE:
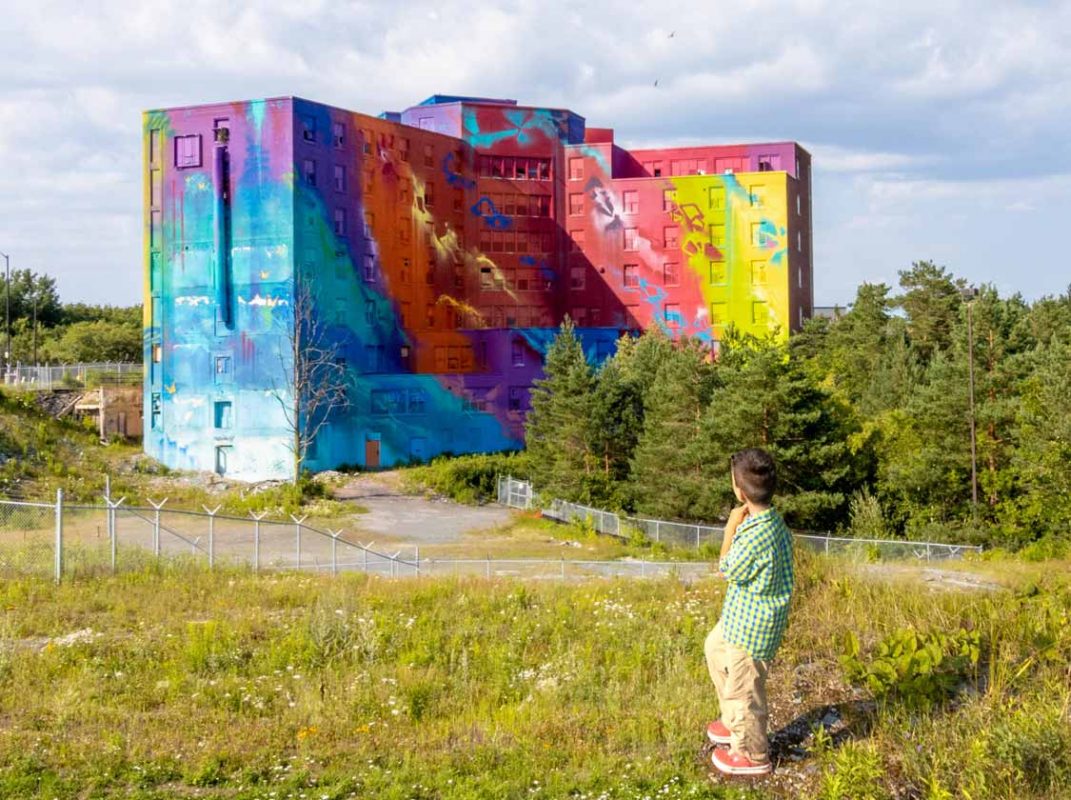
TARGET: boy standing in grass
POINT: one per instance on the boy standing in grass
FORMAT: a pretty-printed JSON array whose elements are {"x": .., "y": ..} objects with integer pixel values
[{"x": 756, "y": 561}]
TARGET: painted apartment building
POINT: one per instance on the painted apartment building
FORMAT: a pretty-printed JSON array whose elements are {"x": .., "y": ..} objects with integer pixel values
[{"x": 436, "y": 250}]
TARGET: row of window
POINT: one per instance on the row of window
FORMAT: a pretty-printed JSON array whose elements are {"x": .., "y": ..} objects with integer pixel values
[
  {"x": 511, "y": 204},
  {"x": 515, "y": 168},
  {"x": 511, "y": 241},
  {"x": 520, "y": 280}
]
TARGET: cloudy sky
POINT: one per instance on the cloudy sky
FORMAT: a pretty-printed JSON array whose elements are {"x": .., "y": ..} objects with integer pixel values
[{"x": 939, "y": 129}]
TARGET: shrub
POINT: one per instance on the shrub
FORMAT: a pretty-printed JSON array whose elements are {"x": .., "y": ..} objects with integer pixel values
[
  {"x": 467, "y": 479},
  {"x": 920, "y": 670}
]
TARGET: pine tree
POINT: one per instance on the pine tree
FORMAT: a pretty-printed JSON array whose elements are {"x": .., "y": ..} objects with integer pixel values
[
  {"x": 766, "y": 399},
  {"x": 556, "y": 430},
  {"x": 615, "y": 421},
  {"x": 667, "y": 473},
  {"x": 1043, "y": 448}
]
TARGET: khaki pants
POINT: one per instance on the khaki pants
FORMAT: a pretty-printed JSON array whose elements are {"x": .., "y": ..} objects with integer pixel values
[{"x": 740, "y": 681}]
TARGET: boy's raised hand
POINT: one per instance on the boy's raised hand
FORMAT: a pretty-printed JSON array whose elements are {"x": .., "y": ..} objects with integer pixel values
[{"x": 736, "y": 516}]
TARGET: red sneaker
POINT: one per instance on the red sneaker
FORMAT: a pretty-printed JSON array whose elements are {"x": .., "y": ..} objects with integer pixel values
[
  {"x": 718, "y": 733},
  {"x": 735, "y": 764}
]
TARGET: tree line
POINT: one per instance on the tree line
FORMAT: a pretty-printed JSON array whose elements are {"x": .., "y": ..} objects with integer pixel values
[
  {"x": 868, "y": 415},
  {"x": 45, "y": 329}
]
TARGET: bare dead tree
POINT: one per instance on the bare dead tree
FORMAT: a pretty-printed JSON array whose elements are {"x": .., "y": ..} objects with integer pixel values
[{"x": 314, "y": 384}]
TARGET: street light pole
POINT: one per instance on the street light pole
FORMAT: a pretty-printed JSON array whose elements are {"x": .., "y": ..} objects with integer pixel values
[{"x": 970, "y": 294}]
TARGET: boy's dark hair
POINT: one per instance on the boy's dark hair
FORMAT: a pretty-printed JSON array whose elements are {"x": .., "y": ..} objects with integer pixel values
[{"x": 755, "y": 474}]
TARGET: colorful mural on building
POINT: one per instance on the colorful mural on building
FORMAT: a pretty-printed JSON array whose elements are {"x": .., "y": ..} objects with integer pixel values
[{"x": 436, "y": 250}]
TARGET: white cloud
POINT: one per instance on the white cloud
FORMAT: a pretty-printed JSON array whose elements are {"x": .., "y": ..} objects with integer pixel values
[{"x": 924, "y": 118}]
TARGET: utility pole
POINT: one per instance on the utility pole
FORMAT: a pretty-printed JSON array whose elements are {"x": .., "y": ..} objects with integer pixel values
[
  {"x": 34, "y": 295},
  {"x": 969, "y": 295},
  {"x": 7, "y": 313}
]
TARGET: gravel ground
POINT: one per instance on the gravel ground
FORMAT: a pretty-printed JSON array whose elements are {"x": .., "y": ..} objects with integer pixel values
[{"x": 414, "y": 519}]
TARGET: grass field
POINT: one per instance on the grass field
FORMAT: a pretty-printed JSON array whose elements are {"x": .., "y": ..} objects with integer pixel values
[{"x": 187, "y": 683}]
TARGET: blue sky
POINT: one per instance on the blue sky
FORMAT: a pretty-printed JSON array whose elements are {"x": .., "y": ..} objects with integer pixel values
[{"x": 939, "y": 129}]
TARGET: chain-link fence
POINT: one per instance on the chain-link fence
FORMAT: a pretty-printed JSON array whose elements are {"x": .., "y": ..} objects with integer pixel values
[
  {"x": 520, "y": 494},
  {"x": 46, "y": 377},
  {"x": 60, "y": 539}
]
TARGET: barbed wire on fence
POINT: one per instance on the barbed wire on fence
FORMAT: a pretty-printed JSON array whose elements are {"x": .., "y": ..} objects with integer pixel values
[
  {"x": 115, "y": 536},
  {"x": 520, "y": 494}
]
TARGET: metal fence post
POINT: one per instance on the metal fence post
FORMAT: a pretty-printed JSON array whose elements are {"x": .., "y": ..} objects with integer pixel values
[
  {"x": 59, "y": 535},
  {"x": 297, "y": 538},
  {"x": 657, "y": 530},
  {"x": 112, "y": 533},
  {"x": 334, "y": 549},
  {"x": 416, "y": 558},
  {"x": 156, "y": 526},
  {"x": 696, "y": 537},
  {"x": 256, "y": 539},
  {"x": 211, "y": 535}
]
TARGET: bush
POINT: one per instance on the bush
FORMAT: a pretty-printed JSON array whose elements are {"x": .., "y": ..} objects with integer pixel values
[
  {"x": 468, "y": 479},
  {"x": 920, "y": 670}
]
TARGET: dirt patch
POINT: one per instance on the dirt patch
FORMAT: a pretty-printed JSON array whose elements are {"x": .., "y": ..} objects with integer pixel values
[{"x": 409, "y": 518}]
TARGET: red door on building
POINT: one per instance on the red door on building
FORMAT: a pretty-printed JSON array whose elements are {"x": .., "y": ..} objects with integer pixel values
[{"x": 371, "y": 453}]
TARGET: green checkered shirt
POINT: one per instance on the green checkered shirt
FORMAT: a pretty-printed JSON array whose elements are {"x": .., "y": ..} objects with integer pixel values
[{"x": 758, "y": 568}]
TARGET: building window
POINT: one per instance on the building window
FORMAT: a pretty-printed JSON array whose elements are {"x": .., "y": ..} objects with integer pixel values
[
  {"x": 669, "y": 237},
  {"x": 156, "y": 415},
  {"x": 718, "y": 313},
  {"x": 576, "y": 204},
  {"x": 403, "y": 149},
  {"x": 188, "y": 151},
  {"x": 366, "y": 143},
  {"x": 718, "y": 273},
  {"x": 758, "y": 273},
  {"x": 429, "y": 196},
  {"x": 369, "y": 311},
  {"x": 799, "y": 241},
  {"x": 517, "y": 398},
  {"x": 154, "y": 146},
  {"x": 340, "y": 222},
  {"x": 576, "y": 277},
  {"x": 223, "y": 454},
  {"x": 717, "y": 198},
  {"x": 758, "y": 234},
  {"x": 717, "y": 235},
  {"x": 632, "y": 275},
  {"x": 671, "y": 275},
  {"x": 517, "y": 352},
  {"x": 632, "y": 239},
  {"x": 576, "y": 240},
  {"x": 338, "y": 134},
  {"x": 309, "y": 169},
  {"x": 673, "y": 314},
  {"x": 223, "y": 369},
  {"x": 222, "y": 413},
  {"x": 632, "y": 201},
  {"x": 799, "y": 278},
  {"x": 157, "y": 353},
  {"x": 755, "y": 194},
  {"x": 417, "y": 401},
  {"x": 308, "y": 129},
  {"x": 369, "y": 268},
  {"x": 667, "y": 199},
  {"x": 799, "y": 205},
  {"x": 340, "y": 178},
  {"x": 759, "y": 314},
  {"x": 576, "y": 169}
]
